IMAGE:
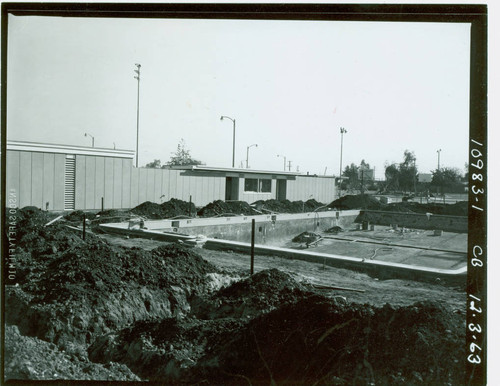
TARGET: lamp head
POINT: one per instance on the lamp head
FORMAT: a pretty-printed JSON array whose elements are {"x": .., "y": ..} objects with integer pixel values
[{"x": 221, "y": 117}]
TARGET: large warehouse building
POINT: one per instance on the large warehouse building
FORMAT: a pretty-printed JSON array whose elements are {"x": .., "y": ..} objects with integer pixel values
[{"x": 62, "y": 177}]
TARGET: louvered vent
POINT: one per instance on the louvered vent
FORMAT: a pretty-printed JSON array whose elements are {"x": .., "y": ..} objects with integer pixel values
[{"x": 69, "y": 182}]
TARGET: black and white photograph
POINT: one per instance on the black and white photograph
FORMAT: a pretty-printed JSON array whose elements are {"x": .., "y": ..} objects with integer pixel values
[{"x": 244, "y": 194}]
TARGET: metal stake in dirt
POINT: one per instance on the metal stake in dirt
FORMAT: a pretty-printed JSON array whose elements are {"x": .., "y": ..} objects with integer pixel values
[
  {"x": 342, "y": 131},
  {"x": 189, "y": 205},
  {"x": 252, "y": 247},
  {"x": 102, "y": 204},
  {"x": 84, "y": 226}
]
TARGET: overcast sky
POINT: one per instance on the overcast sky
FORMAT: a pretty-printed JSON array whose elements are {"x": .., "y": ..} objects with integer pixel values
[{"x": 290, "y": 85}]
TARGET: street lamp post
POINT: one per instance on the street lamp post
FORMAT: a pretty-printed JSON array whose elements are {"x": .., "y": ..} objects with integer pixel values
[
  {"x": 439, "y": 167},
  {"x": 138, "y": 77},
  {"x": 248, "y": 147},
  {"x": 342, "y": 131},
  {"x": 91, "y": 136},
  {"x": 234, "y": 131},
  {"x": 284, "y": 161}
]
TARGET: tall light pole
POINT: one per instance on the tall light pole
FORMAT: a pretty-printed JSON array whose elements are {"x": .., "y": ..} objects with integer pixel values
[
  {"x": 284, "y": 161},
  {"x": 439, "y": 167},
  {"x": 248, "y": 147},
  {"x": 91, "y": 136},
  {"x": 138, "y": 77},
  {"x": 234, "y": 131},
  {"x": 342, "y": 131}
]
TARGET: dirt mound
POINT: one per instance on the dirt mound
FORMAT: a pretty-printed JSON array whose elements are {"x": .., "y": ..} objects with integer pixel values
[
  {"x": 334, "y": 230},
  {"x": 167, "y": 350},
  {"x": 287, "y": 206},
  {"x": 359, "y": 201},
  {"x": 320, "y": 341},
  {"x": 457, "y": 209},
  {"x": 306, "y": 237},
  {"x": 220, "y": 208},
  {"x": 259, "y": 293},
  {"x": 149, "y": 210},
  {"x": 32, "y": 358},
  {"x": 88, "y": 269},
  {"x": 174, "y": 207}
]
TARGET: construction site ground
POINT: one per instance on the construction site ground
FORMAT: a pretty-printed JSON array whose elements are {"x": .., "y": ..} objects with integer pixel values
[
  {"x": 405, "y": 246},
  {"x": 375, "y": 292},
  {"x": 106, "y": 307}
]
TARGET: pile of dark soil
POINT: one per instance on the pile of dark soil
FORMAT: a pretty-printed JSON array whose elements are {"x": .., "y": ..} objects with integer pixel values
[
  {"x": 335, "y": 229},
  {"x": 171, "y": 208},
  {"x": 259, "y": 293},
  {"x": 365, "y": 201},
  {"x": 322, "y": 341},
  {"x": 359, "y": 201},
  {"x": 456, "y": 209},
  {"x": 71, "y": 290},
  {"x": 314, "y": 340},
  {"x": 169, "y": 351},
  {"x": 176, "y": 207},
  {"x": 149, "y": 210},
  {"x": 219, "y": 208},
  {"x": 306, "y": 237},
  {"x": 32, "y": 358},
  {"x": 89, "y": 269},
  {"x": 287, "y": 206}
]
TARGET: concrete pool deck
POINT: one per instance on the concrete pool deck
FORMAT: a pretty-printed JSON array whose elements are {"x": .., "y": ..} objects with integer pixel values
[{"x": 413, "y": 247}]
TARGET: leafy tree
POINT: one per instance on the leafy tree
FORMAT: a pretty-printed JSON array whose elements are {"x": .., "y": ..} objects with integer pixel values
[
  {"x": 182, "y": 156},
  {"x": 156, "y": 164},
  {"x": 392, "y": 176},
  {"x": 351, "y": 172},
  {"x": 408, "y": 171},
  {"x": 448, "y": 179}
]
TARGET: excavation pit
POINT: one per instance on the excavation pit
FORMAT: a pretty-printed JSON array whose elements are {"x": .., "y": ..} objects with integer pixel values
[{"x": 384, "y": 252}]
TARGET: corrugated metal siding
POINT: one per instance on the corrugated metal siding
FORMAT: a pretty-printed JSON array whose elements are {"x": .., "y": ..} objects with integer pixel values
[
  {"x": 117, "y": 183},
  {"x": 80, "y": 182},
  {"x": 90, "y": 181},
  {"x": 40, "y": 177},
  {"x": 13, "y": 174},
  {"x": 134, "y": 187},
  {"x": 48, "y": 180},
  {"x": 37, "y": 180},
  {"x": 108, "y": 183},
  {"x": 59, "y": 160},
  {"x": 98, "y": 182},
  {"x": 321, "y": 189},
  {"x": 126, "y": 175}
]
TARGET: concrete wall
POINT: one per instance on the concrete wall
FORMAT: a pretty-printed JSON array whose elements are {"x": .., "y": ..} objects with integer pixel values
[
  {"x": 320, "y": 188},
  {"x": 457, "y": 224},
  {"x": 269, "y": 229}
]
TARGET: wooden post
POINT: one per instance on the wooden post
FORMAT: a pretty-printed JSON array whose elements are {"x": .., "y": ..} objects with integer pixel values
[
  {"x": 252, "y": 248},
  {"x": 84, "y": 226},
  {"x": 102, "y": 204},
  {"x": 189, "y": 205}
]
